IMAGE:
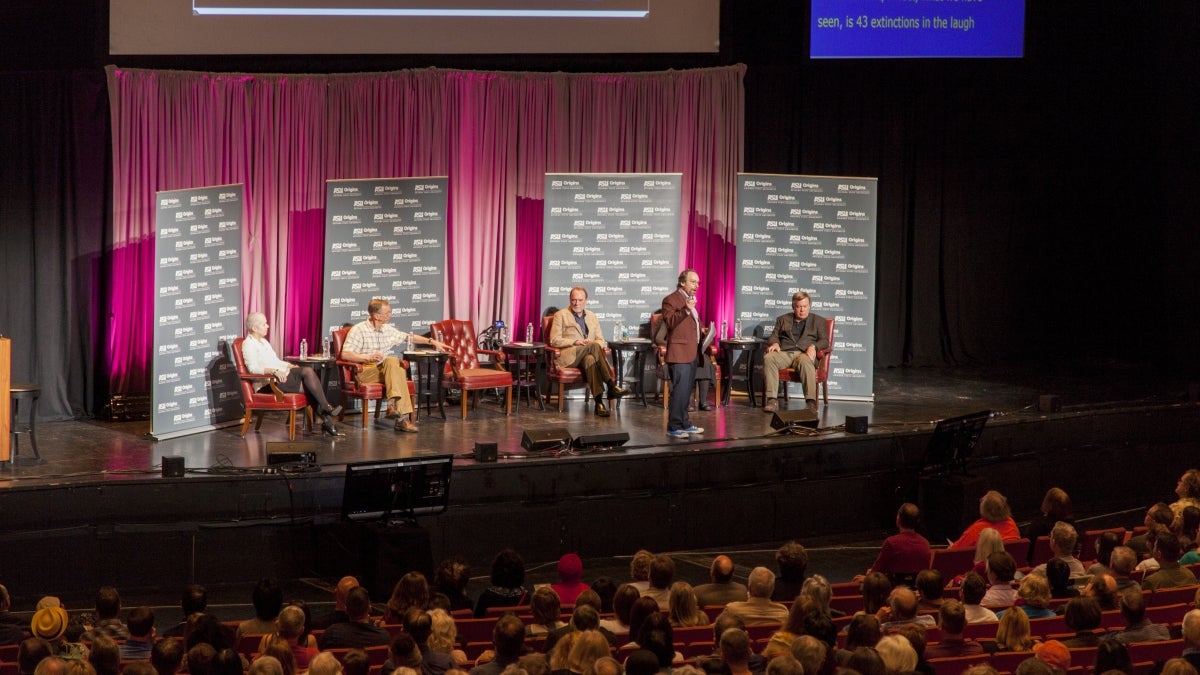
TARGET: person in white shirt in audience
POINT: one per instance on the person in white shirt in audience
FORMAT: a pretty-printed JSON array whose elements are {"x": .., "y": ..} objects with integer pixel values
[
  {"x": 1001, "y": 569},
  {"x": 973, "y": 590},
  {"x": 1062, "y": 546}
]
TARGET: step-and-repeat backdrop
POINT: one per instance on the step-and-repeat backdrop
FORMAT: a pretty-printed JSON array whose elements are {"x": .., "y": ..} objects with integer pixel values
[
  {"x": 385, "y": 238},
  {"x": 197, "y": 309},
  {"x": 815, "y": 234},
  {"x": 617, "y": 235}
]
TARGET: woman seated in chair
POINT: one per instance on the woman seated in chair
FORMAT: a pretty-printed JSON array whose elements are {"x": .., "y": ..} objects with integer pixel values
[{"x": 261, "y": 359}]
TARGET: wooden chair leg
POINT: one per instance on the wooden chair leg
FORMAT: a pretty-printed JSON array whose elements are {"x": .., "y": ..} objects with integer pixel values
[
  {"x": 246, "y": 422},
  {"x": 508, "y": 400},
  {"x": 366, "y": 415},
  {"x": 560, "y": 395},
  {"x": 292, "y": 425},
  {"x": 258, "y": 417},
  {"x": 465, "y": 395}
]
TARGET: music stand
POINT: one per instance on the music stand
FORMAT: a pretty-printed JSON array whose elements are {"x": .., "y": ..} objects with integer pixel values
[{"x": 954, "y": 441}]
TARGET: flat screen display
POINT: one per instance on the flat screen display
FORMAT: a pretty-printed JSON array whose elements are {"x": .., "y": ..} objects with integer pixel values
[
  {"x": 882, "y": 29},
  {"x": 396, "y": 488}
]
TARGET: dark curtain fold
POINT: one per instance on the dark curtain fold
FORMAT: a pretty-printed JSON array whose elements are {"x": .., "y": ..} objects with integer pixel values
[{"x": 54, "y": 187}]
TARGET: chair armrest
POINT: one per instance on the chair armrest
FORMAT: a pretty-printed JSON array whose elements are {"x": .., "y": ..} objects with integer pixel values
[
  {"x": 255, "y": 380},
  {"x": 497, "y": 357}
]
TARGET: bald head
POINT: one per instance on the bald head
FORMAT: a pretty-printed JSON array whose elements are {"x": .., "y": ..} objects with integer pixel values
[
  {"x": 722, "y": 569},
  {"x": 344, "y": 586},
  {"x": 903, "y": 603}
]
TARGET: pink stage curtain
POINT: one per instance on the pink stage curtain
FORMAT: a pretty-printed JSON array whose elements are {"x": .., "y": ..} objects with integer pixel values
[{"x": 493, "y": 134}]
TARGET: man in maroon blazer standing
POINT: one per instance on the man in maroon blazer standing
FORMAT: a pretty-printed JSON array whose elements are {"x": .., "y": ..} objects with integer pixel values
[{"x": 683, "y": 351}]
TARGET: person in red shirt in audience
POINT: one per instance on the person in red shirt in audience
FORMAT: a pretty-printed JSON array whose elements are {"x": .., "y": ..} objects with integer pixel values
[{"x": 993, "y": 513}]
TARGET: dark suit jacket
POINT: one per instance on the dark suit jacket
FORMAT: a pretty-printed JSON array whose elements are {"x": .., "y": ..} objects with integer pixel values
[
  {"x": 683, "y": 336},
  {"x": 790, "y": 335}
]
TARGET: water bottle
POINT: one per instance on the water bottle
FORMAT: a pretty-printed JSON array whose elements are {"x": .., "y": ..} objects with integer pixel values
[
  {"x": 737, "y": 329},
  {"x": 724, "y": 330},
  {"x": 618, "y": 330},
  {"x": 408, "y": 342},
  {"x": 325, "y": 347},
  {"x": 624, "y": 331},
  {"x": 529, "y": 332},
  {"x": 503, "y": 335},
  {"x": 303, "y": 348}
]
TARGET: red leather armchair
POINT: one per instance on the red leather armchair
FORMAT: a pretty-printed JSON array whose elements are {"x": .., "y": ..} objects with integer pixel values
[
  {"x": 464, "y": 371},
  {"x": 789, "y": 375},
  {"x": 257, "y": 403}
]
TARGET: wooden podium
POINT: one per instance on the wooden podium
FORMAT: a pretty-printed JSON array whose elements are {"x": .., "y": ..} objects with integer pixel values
[{"x": 5, "y": 399}]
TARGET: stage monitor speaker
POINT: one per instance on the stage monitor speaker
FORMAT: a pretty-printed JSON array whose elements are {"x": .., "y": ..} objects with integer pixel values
[
  {"x": 601, "y": 440},
  {"x": 856, "y": 424},
  {"x": 172, "y": 466},
  {"x": 486, "y": 452},
  {"x": 291, "y": 452},
  {"x": 785, "y": 419},
  {"x": 541, "y": 440}
]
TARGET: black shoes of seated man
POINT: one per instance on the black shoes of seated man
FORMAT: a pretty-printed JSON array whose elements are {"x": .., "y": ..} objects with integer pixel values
[{"x": 601, "y": 409}]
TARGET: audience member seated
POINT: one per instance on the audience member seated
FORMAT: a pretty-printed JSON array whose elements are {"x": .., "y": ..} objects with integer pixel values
[
  {"x": 605, "y": 587},
  {"x": 915, "y": 633},
  {"x": 811, "y": 653},
  {"x": 989, "y": 542},
  {"x": 785, "y": 664},
  {"x": 1054, "y": 654},
  {"x": 930, "y": 589},
  {"x": 684, "y": 611},
  {"x": 866, "y": 661},
  {"x": 952, "y": 619},
  {"x": 141, "y": 635},
  {"x": 735, "y": 651},
  {"x": 546, "y": 610},
  {"x": 589, "y": 647},
  {"x": 324, "y": 663},
  {"x": 1121, "y": 564},
  {"x": 450, "y": 579},
  {"x": 1160, "y": 514},
  {"x": 973, "y": 589},
  {"x": 226, "y": 662},
  {"x": 30, "y": 652},
  {"x": 817, "y": 589},
  {"x": 1105, "y": 544},
  {"x": 722, "y": 589},
  {"x": 759, "y": 608},
  {"x": 905, "y": 553},
  {"x": 585, "y": 617},
  {"x": 623, "y": 600},
  {"x": 1191, "y": 638},
  {"x": 639, "y": 569},
  {"x": 338, "y": 613},
  {"x": 897, "y": 654},
  {"x": 1170, "y": 573},
  {"x": 356, "y": 662},
  {"x": 105, "y": 656},
  {"x": 1103, "y": 589},
  {"x": 1082, "y": 616},
  {"x": 444, "y": 637},
  {"x": 662, "y": 575},
  {"x": 1137, "y": 627},
  {"x": 290, "y": 627},
  {"x": 11, "y": 625},
  {"x": 1188, "y": 491},
  {"x": 167, "y": 656},
  {"x": 508, "y": 583},
  {"x": 268, "y": 601},
  {"x": 1112, "y": 655},
  {"x": 792, "y": 562},
  {"x": 411, "y": 591},
  {"x": 781, "y": 640},
  {"x": 275, "y": 647},
  {"x": 1013, "y": 634},
  {"x": 1056, "y": 508},
  {"x": 902, "y": 609},
  {"x": 1001, "y": 568},
  {"x": 570, "y": 575},
  {"x": 508, "y": 639},
  {"x": 402, "y": 653},
  {"x": 993, "y": 513},
  {"x": 875, "y": 590},
  {"x": 863, "y": 631},
  {"x": 50, "y": 624},
  {"x": 1062, "y": 547},
  {"x": 358, "y": 631},
  {"x": 1033, "y": 598},
  {"x": 656, "y": 635},
  {"x": 1189, "y": 536},
  {"x": 108, "y": 619},
  {"x": 1058, "y": 575}
]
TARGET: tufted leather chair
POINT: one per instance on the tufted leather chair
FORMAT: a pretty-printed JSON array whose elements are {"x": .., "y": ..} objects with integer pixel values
[
  {"x": 660, "y": 350},
  {"x": 257, "y": 402},
  {"x": 351, "y": 389},
  {"x": 789, "y": 375},
  {"x": 464, "y": 371}
]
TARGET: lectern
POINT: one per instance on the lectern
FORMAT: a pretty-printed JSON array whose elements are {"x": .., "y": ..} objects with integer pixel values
[{"x": 5, "y": 399}]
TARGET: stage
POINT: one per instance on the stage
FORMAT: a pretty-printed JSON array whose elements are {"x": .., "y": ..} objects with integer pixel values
[{"x": 98, "y": 501}]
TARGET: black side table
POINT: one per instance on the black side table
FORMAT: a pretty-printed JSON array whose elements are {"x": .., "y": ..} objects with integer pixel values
[
  {"x": 733, "y": 351},
  {"x": 425, "y": 369},
  {"x": 637, "y": 349},
  {"x": 523, "y": 360}
]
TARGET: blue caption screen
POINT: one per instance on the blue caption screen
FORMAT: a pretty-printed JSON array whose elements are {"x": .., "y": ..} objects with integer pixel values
[{"x": 873, "y": 29}]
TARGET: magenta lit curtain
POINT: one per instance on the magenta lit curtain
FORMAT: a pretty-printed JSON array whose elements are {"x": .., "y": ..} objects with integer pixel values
[{"x": 493, "y": 134}]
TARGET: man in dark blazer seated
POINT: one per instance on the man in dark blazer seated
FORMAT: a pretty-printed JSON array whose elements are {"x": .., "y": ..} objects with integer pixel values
[
  {"x": 683, "y": 351},
  {"x": 794, "y": 344}
]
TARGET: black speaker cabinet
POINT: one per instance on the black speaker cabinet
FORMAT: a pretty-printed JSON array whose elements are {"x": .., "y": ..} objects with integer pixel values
[
  {"x": 172, "y": 466},
  {"x": 856, "y": 424},
  {"x": 486, "y": 452},
  {"x": 601, "y": 440},
  {"x": 540, "y": 440},
  {"x": 784, "y": 419}
]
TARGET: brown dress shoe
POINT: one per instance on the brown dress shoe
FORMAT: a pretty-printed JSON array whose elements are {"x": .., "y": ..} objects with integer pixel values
[
  {"x": 391, "y": 413},
  {"x": 601, "y": 409},
  {"x": 771, "y": 405},
  {"x": 406, "y": 425}
]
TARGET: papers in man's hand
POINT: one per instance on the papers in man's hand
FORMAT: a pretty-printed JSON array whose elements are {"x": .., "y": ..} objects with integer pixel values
[{"x": 709, "y": 337}]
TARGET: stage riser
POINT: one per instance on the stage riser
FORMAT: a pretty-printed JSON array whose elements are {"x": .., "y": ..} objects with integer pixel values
[{"x": 167, "y": 533}]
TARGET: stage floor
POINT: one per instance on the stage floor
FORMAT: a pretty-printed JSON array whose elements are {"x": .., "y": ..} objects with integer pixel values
[{"x": 907, "y": 400}]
